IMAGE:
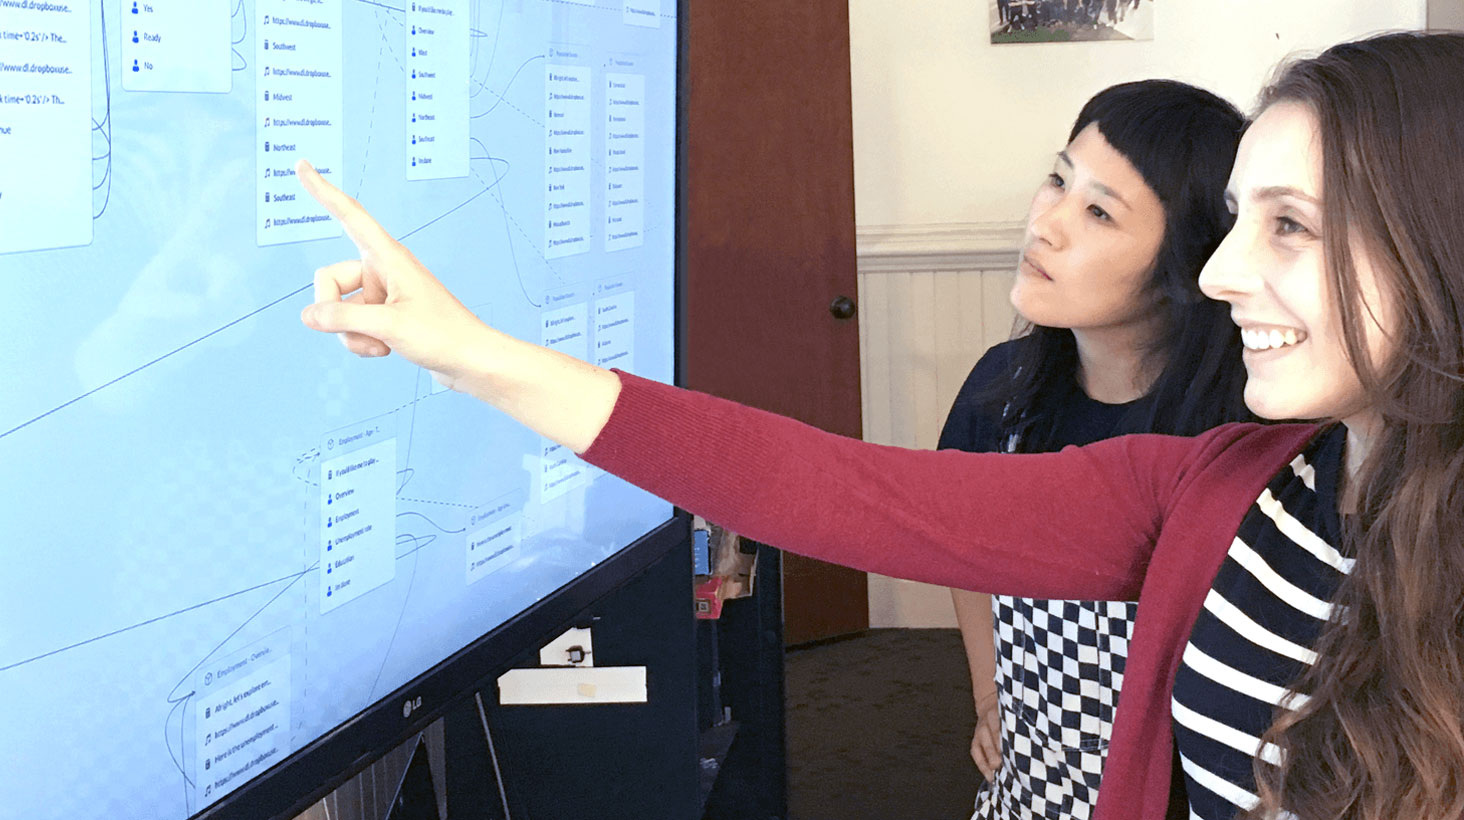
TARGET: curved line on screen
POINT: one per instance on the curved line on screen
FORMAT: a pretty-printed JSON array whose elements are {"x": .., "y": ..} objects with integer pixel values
[
  {"x": 492, "y": 56},
  {"x": 396, "y": 630},
  {"x": 503, "y": 95},
  {"x": 513, "y": 253},
  {"x": 168, "y": 741},
  {"x": 434, "y": 524},
  {"x": 243, "y": 35},
  {"x": 105, "y": 126}
]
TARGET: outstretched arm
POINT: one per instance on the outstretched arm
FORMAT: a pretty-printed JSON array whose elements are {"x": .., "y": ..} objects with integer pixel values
[{"x": 1077, "y": 524}]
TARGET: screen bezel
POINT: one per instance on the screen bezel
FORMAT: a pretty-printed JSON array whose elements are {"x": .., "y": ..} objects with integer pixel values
[
  {"x": 291, "y": 786},
  {"x": 299, "y": 781}
]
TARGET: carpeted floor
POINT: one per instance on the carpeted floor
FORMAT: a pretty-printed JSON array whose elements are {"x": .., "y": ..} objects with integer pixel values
[{"x": 879, "y": 728}]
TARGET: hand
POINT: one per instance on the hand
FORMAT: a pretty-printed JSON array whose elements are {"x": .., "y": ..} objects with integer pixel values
[
  {"x": 387, "y": 300},
  {"x": 986, "y": 742}
]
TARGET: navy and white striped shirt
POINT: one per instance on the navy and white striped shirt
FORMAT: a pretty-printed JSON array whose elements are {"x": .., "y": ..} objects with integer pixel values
[{"x": 1254, "y": 637}]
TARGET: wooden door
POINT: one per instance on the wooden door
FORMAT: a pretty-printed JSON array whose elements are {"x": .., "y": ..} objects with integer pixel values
[{"x": 768, "y": 240}]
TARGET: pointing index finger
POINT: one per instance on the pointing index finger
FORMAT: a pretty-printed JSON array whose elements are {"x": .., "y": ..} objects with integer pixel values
[{"x": 363, "y": 230}]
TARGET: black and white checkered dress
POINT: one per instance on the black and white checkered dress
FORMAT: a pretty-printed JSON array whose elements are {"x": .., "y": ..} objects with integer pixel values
[
  {"x": 1059, "y": 670},
  {"x": 1059, "y": 663}
]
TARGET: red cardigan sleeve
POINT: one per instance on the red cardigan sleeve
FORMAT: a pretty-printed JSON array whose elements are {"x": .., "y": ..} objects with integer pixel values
[{"x": 1076, "y": 524}]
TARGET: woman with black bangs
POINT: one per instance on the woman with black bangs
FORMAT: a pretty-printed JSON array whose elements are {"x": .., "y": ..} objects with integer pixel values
[{"x": 1117, "y": 339}]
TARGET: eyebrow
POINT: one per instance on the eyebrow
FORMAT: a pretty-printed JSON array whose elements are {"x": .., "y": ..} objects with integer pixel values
[
  {"x": 1272, "y": 192},
  {"x": 1098, "y": 186}
]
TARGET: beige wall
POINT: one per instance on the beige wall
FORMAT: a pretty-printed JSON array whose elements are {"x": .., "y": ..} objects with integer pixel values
[
  {"x": 951, "y": 134},
  {"x": 1446, "y": 15},
  {"x": 921, "y": 315},
  {"x": 948, "y": 128}
]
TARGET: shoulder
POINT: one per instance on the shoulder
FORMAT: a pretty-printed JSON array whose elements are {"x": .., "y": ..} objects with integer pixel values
[
  {"x": 1237, "y": 458},
  {"x": 1236, "y": 444},
  {"x": 994, "y": 366},
  {"x": 1251, "y": 440},
  {"x": 974, "y": 420},
  {"x": 1228, "y": 457}
]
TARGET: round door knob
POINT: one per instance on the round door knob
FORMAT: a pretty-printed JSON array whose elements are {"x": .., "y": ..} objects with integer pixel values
[{"x": 843, "y": 307}]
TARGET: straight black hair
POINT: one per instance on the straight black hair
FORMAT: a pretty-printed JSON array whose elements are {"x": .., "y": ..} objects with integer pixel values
[{"x": 1182, "y": 140}]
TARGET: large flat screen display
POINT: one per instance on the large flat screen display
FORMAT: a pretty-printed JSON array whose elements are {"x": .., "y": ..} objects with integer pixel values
[{"x": 222, "y": 535}]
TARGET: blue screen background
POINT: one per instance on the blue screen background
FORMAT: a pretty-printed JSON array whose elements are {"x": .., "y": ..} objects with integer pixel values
[{"x": 167, "y": 424}]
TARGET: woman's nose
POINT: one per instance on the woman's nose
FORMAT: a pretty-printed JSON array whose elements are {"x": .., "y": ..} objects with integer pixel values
[
  {"x": 1229, "y": 273},
  {"x": 1047, "y": 221}
]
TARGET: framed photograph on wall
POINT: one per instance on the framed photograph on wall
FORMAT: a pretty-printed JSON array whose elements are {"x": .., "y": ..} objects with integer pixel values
[{"x": 1070, "y": 21}]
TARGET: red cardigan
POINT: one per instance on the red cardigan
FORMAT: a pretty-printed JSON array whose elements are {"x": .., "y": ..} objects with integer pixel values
[{"x": 1139, "y": 517}]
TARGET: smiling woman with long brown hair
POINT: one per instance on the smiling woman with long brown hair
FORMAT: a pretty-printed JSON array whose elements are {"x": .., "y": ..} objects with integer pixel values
[
  {"x": 1381, "y": 732},
  {"x": 1300, "y": 624}
]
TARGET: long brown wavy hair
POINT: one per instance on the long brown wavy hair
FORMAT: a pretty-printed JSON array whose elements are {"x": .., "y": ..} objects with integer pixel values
[{"x": 1382, "y": 735}]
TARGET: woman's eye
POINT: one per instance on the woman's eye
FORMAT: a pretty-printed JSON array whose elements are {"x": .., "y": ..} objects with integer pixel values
[
  {"x": 1099, "y": 212},
  {"x": 1286, "y": 226},
  {"x": 1055, "y": 181}
]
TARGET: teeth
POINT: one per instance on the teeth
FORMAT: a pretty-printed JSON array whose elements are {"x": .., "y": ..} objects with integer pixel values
[{"x": 1269, "y": 339}]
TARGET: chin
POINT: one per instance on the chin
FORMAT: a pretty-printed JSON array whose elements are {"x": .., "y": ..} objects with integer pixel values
[
  {"x": 1265, "y": 403},
  {"x": 1270, "y": 414},
  {"x": 1275, "y": 405},
  {"x": 1034, "y": 313}
]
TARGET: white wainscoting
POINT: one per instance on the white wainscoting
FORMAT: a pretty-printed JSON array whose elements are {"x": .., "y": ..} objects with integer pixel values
[{"x": 932, "y": 299}]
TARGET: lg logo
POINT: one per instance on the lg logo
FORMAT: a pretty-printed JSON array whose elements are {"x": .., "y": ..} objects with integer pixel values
[{"x": 411, "y": 704}]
